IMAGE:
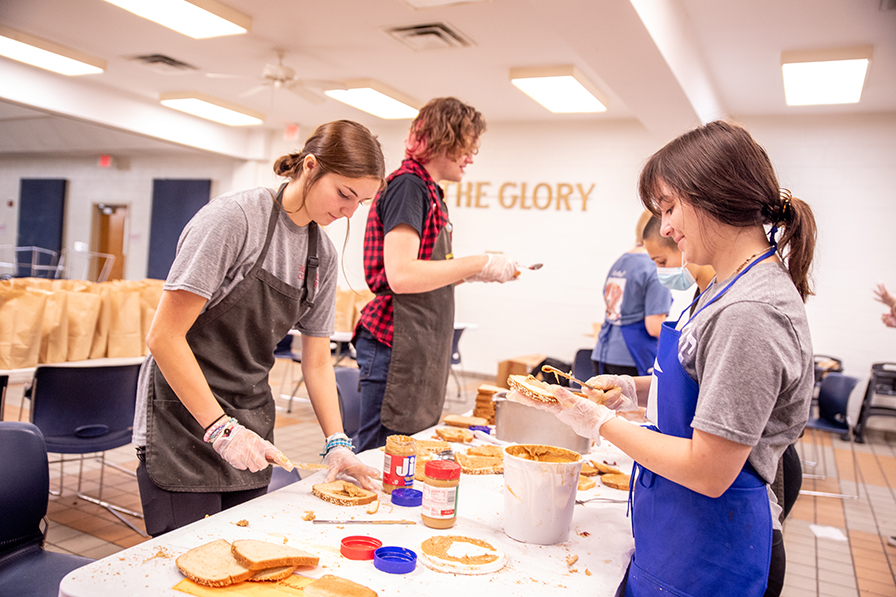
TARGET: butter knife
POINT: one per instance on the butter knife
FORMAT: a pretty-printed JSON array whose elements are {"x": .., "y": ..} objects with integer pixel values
[{"x": 361, "y": 521}]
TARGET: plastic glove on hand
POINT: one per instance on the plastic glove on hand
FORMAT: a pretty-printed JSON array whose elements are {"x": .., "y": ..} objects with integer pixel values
[
  {"x": 498, "y": 268},
  {"x": 619, "y": 392},
  {"x": 583, "y": 416},
  {"x": 343, "y": 460},
  {"x": 245, "y": 449}
]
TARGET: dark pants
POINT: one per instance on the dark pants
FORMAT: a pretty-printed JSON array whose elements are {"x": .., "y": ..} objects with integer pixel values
[
  {"x": 775, "y": 572},
  {"x": 165, "y": 511},
  {"x": 373, "y": 361},
  {"x": 613, "y": 369}
]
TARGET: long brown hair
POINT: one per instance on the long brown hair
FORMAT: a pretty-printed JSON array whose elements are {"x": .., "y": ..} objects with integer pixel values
[
  {"x": 342, "y": 147},
  {"x": 444, "y": 124},
  {"x": 719, "y": 169}
]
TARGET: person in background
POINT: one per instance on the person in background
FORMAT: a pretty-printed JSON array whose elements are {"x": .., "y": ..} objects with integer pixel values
[
  {"x": 250, "y": 265},
  {"x": 404, "y": 336},
  {"x": 671, "y": 270},
  {"x": 636, "y": 306},
  {"x": 734, "y": 381},
  {"x": 882, "y": 295}
]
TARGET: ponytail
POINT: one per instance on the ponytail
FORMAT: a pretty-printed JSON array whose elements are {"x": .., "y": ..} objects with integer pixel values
[{"x": 796, "y": 245}]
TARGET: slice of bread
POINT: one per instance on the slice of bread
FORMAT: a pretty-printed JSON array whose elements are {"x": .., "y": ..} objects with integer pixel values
[
  {"x": 604, "y": 469},
  {"x": 490, "y": 451},
  {"x": 343, "y": 493},
  {"x": 588, "y": 469},
  {"x": 461, "y": 421},
  {"x": 586, "y": 483},
  {"x": 429, "y": 446},
  {"x": 489, "y": 389},
  {"x": 336, "y": 586},
  {"x": 616, "y": 481},
  {"x": 260, "y": 555},
  {"x": 212, "y": 565},
  {"x": 272, "y": 574},
  {"x": 454, "y": 434},
  {"x": 479, "y": 465}
]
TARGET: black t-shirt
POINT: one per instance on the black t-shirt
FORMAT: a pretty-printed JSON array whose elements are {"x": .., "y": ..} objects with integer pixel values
[{"x": 406, "y": 202}]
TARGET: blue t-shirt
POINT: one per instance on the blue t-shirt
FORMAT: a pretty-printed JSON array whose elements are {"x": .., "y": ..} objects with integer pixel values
[{"x": 632, "y": 292}]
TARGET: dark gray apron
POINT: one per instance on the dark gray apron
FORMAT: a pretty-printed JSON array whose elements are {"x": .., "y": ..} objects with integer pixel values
[
  {"x": 234, "y": 344},
  {"x": 421, "y": 353}
]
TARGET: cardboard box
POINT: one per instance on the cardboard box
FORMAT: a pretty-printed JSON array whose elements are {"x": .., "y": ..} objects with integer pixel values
[{"x": 517, "y": 366}]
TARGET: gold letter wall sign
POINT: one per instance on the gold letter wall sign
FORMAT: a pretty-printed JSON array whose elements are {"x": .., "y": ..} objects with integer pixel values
[{"x": 562, "y": 196}]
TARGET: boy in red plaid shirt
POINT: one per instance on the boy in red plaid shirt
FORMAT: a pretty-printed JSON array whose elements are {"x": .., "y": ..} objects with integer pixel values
[{"x": 405, "y": 333}]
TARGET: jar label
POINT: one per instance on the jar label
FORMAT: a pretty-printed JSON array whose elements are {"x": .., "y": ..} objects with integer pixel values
[
  {"x": 399, "y": 470},
  {"x": 439, "y": 502}
]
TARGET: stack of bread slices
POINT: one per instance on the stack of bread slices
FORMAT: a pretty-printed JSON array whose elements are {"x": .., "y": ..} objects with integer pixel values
[
  {"x": 485, "y": 406},
  {"x": 220, "y": 564}
]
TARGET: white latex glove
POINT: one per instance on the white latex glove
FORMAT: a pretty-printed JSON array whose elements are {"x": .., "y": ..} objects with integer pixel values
[
  {"x": 342, "y": 460},
  {"x": 624, "y": 399},
  {"x": 498, "y": 268},
  {"x": 583, "y": 416},
  {"x": 245, "y": 449}
]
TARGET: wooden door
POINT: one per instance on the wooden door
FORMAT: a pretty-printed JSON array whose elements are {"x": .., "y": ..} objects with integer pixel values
[{"x": 112, "y": 229}]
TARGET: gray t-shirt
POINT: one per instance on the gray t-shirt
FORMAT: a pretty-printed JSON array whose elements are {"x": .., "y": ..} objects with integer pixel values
[
  {"x": 751, "y": 354},
  {"x": 219, "y": 246}
]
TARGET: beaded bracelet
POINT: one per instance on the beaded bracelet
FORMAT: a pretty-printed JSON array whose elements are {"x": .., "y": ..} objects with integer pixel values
[
  {"x": 210, "y": 425},
  {"x": 338, "y": 440},
  {"x": 222, "y": 428}
]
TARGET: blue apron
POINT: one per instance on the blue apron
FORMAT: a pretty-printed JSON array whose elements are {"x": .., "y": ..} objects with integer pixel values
[
  {"x": 641, "y": 345},
  {"x": 688, "y": 544}
]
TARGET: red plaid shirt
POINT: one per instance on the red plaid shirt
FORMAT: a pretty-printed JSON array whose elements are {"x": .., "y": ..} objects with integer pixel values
[{"x": 377, "y": 317}]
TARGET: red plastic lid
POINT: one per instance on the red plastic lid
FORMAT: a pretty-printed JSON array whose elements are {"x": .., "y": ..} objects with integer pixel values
[
  {"x": 442, "y": 469},
  {"x": 359, "y": 547}
]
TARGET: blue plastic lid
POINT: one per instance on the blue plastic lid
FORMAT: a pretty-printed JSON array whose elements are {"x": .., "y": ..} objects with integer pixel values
[
  {"x": 395, "y": 560},
  {"x": 484, "y": 428},
  {"x": 409, "y": 498}
]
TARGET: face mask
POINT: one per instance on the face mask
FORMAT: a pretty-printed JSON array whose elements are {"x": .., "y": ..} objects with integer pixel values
[{"x": 675, "y": 278}]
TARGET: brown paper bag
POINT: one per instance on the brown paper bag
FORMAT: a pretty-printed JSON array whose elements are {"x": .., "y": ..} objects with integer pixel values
[
  {"x": 345, "y": 310},
  {"x": 362, "y": 297},
  {"x": 54, "y": 328},
  {"x": 100, "y": 343},
  {"x": 21, "y": 318},
  {"x": 124, "y": 321},
  {"x": 150, "y": 294},
  {"x": 83, "y": 313}
]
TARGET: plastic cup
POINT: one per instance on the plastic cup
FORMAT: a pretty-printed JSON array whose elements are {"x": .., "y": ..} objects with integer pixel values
[{"x": 539, "y": 495}]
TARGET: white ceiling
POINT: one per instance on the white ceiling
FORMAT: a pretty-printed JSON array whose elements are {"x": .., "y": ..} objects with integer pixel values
[{"x": 693, "y": 61}]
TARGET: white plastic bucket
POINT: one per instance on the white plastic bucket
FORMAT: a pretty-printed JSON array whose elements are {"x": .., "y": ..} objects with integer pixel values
[{"x": 539, "y": 496}]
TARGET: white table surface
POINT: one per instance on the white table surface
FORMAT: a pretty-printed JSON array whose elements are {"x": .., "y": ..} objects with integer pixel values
[{"x": 600, "y": 536}]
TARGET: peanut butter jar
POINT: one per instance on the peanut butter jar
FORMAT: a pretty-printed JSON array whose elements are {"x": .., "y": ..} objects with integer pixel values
[
  {"x": 399, "y": 462},
  {"x": 440, "y": 487}
]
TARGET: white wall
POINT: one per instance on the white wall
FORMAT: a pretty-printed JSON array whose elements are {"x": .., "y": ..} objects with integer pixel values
[{"x": 845, "y": 167}]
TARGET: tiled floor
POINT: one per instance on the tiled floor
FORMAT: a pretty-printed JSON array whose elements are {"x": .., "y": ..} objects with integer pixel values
[{"x": 835, "y": 547}]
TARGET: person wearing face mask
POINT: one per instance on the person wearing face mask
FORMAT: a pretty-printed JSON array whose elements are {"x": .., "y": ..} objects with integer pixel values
[
  {"x": 250, "y": 265},
  {"x": 734, "y": 380},
  {"x": 671, "y": 270},
  {"x": 404, "y": 336},
  {"x": 636, "y": 306}
]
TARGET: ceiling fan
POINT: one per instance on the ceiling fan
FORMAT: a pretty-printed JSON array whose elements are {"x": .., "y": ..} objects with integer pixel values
[{"x": 281, "y": 76}]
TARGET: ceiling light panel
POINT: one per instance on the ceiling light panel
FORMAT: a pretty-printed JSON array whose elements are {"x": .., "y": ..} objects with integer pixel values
[
  {"x": 561, "y": 89},
  {"x": 199, "y": 19},
  {"x": 211, "y": 108},
  {"x": 47, "y": 55},
  {"x": 375, "y": 98},
  {"x": 823, "y": 77}
]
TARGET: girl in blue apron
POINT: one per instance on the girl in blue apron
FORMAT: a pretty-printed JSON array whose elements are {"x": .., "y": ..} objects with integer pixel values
[
  {"x": 250, "y": 266},
  {"x": 733, "y": 383}
]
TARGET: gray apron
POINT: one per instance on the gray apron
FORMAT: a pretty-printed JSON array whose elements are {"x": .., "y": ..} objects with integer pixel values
[
  {"x": 234, "y": 345},
  {"x": 421, "y": 353}
]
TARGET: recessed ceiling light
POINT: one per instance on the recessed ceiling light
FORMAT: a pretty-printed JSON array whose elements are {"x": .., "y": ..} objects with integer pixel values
[
  {"x": 817, "y": 77},
  {"x": 211, "y": 108},
  {"x": 199, "y": 19},
  {"x": 375, "y": 98},
  {"x": 560, "y": 89},
  {"x": 46, "y": 54}
]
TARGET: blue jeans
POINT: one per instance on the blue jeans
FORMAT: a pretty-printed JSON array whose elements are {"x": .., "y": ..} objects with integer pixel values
[{"x": 373, "y": 360}]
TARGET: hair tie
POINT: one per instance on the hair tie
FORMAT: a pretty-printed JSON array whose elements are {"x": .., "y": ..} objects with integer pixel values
[{"x": 786, "y": 212}]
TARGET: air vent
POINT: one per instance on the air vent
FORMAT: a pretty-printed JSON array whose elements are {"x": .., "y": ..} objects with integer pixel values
[
  {"x": 164, "y": 64},
  {"x": 430, "y": 36}
]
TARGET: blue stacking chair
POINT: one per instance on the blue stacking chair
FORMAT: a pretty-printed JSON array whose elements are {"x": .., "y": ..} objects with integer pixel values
[
  {"x": 26, "y": 568},
  {"x": 284, "y": 351},
  {"x": 348, "y": 380},
  {"x": 86, "y": 410},
  {"x": 582, "y": 367},
  {"x": 833, "y": 417}
]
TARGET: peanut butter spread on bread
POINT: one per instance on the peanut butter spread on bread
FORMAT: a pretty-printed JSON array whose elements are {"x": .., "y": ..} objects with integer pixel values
[
  {"x": 542, "y": 453},
  {"x": 438, "y": 546}
]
